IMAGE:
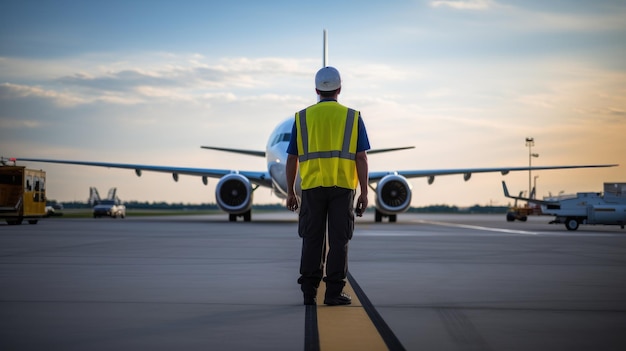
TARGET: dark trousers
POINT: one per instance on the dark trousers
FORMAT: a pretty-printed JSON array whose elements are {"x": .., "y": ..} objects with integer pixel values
[{"x": 321, "y": 208}]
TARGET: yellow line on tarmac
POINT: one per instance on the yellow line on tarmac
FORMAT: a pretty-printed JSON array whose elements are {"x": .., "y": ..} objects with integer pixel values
[{"x": 346, "y": 327}]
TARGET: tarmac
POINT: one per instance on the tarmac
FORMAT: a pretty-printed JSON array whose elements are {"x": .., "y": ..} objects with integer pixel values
[{"x": 427, "y": 282}]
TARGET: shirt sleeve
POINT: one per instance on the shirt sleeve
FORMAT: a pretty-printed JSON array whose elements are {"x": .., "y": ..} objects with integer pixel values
[
  {"x": 362, "y": 141},
  {"x": 292, "y": 149}
]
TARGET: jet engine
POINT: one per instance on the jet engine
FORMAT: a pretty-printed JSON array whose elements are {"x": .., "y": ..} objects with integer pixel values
[
  {"x": 233, "y": 194},
  {"x": 393, "y": 195}
]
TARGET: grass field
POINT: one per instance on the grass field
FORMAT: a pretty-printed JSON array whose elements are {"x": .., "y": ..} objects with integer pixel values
[{"x": 88, "y": 213}]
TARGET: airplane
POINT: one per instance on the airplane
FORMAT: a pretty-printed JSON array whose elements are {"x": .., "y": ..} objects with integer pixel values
[
  {"x": 583, "y": 208},
  {"x": 235, "y": 188}
]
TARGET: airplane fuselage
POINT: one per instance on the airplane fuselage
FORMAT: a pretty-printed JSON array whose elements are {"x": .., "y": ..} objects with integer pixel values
[{"x": 276, "y": 156}]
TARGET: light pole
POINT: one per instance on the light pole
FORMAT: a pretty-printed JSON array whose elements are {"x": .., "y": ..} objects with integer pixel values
[{"x": 530, "y": 142}]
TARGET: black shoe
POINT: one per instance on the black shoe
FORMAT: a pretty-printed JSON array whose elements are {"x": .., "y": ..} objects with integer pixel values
[
  {"x": 310, "y": 300},
  {"x": 341, "y": 299},
  {"x": 309, "y": 289}
]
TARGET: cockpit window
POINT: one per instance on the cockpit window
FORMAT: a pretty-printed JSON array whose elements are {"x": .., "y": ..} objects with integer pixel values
[{"x": 281, "y": 138}]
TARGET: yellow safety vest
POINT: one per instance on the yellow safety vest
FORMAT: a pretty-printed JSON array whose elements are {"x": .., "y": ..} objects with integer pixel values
[{"x": 327, "y": 138}]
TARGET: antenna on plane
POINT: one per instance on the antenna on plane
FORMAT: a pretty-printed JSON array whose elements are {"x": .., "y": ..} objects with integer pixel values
[{"x": 325, "y": 58}]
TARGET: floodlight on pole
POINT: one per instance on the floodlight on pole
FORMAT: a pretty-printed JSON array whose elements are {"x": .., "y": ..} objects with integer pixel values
[{"x": 530, "y": 142}]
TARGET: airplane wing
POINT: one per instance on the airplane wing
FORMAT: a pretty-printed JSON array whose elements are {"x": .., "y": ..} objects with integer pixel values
[
  {"x": 262, "y": 153},
  {"x": 541, "y": 202},
  {"x": 258, "y": 178},
  {"x": 237, "y": 151},
  {"x": 378, "y": 151},
  {"x": 467, "y": 172}
]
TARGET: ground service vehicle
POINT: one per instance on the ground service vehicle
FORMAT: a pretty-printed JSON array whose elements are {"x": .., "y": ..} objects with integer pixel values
[
  {"x": 521, "y": 212},
  {"x": 109, "y": 208},
  {"x": 22, "y": 194},
  {"x": 112, "y": 206},
  {"x": 584, "y": 208}
]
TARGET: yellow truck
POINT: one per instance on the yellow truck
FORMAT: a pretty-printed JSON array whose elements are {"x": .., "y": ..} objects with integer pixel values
[{"x": 22, "y": 194}]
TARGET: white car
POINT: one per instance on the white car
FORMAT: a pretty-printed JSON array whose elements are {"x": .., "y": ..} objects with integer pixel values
[
  {"x": 109, "y": 208},
  {"x": 55, "y": 209}
]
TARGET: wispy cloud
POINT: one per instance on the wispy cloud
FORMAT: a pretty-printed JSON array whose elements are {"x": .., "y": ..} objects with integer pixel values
[
  {"x": 19, "y": 124},
  {"x": 525, "y": 17},
  {"x": 9, "y": 91},
  {"x": 126, "y": 81},
  {"x": 464, "y": 4}
]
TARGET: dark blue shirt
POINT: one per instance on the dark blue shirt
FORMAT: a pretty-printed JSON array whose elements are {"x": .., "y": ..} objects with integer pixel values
[{"x": 362, "y": 141}]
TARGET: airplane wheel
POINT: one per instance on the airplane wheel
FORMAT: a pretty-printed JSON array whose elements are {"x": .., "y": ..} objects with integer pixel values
[
  {"x": 393, "y": 218},
  {"x": 378, "y": 217},
  {"x": 247, "y": 217},
  {"x": 571, "y": 223},
  {"x": 232, "y": 218},
  {"x": 510, "y": 217}
]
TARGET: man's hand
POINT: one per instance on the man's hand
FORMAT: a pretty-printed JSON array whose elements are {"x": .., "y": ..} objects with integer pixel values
[
  {"x": 361, "y": 205},
  {"x": 362, "y": 172},
  {"x": 292, "y": 169},
  {"x": 292, "y": 202}
]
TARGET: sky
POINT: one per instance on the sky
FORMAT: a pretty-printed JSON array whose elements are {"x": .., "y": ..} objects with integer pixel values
[{"x": 465, "y": 82}]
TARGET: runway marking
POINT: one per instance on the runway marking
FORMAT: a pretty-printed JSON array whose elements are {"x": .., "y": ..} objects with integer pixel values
[
  {"x": 476, "y": 227},
  {"x": 361, "y": 233},
  {"x": 311, "y": 335},
  {"x": 352, "y": 327}
]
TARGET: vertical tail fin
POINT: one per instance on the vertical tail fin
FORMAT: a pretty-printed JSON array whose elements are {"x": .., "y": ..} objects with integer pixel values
[
  {"x": 325, "y": 57},
  {"x": 112, "y": 194},
  {"x": 94, "y": 197}
]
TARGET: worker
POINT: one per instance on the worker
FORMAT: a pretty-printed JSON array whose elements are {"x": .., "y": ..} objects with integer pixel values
[{"x": 328, "y": 145}]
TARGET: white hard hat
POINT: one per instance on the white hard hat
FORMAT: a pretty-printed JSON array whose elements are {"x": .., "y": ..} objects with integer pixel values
[{"x": 327, "y": 79}]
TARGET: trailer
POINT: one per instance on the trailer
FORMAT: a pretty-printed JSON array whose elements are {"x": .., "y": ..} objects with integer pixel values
[
  {"x": 521, "y": 212},
  {"x": 22, "y": 194},
  {"x": 608, "y": 208}
]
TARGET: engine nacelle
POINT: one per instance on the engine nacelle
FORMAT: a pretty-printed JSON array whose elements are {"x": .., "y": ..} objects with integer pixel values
[
  {"x": 393, "y": 194},
  {"x": 233, "y": 193}
]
